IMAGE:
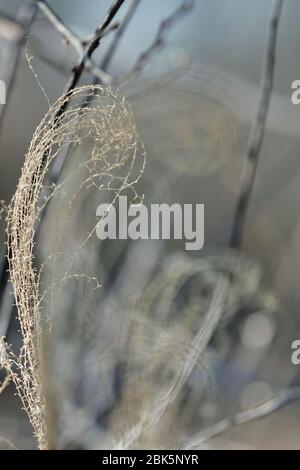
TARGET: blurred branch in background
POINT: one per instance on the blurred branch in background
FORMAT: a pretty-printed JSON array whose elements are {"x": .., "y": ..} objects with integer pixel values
[
  {"x": 118, "y": 36},
  {"x": 258, "y": 128},
  {"x": 75, "y": 41},
  {"x": 283, "y": 398},
  {"x": 15, "y": 33},
  {"x": 160, "y": 39}
]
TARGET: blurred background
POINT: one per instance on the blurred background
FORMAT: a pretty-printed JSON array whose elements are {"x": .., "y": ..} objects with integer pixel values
[{"x": 194, "y": 103}]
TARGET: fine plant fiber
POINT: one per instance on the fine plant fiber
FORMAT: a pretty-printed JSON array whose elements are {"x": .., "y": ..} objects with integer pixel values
[{"x": 104, "y": 118}]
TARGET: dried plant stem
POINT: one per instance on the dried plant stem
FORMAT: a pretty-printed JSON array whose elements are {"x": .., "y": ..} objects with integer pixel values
[
  {"x": 110, "y": 122},
  {"x": 258, "y": 128},
  {"x": 85, "y": 58}
]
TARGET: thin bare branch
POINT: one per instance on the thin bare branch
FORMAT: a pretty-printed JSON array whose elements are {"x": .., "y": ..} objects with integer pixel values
[
  {"x": 92, "y": 45},
  {"x": 71, "y": 37},
  {"x": 118, "y": 36},
  {"x": 75, "y": 41},
  {"x": 281, "y": 399},
  {"x": 160, "y": 39},
  {"x": 100, "y": 31},
  {"x": 258, "y": 127}
]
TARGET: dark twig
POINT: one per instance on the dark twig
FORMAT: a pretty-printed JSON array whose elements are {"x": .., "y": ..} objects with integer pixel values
[
  {"x": 92, "y": 45},
  {"x": 160, "y": 38},
  {"x": 76, "y": 42},
  {"x": 283, "y": 398},
  {"x": 258, "y": 128}
]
